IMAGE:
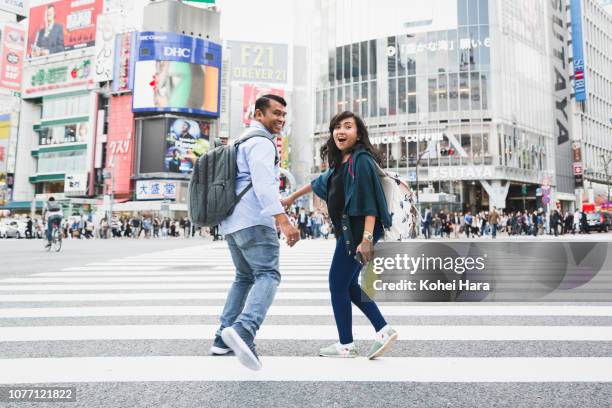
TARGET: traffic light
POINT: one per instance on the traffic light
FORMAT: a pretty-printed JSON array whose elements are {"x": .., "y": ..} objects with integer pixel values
[{"x": 447, "y": 152}]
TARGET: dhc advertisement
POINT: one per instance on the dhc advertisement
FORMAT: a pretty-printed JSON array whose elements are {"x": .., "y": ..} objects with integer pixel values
[{"x": 177, "y": 73}]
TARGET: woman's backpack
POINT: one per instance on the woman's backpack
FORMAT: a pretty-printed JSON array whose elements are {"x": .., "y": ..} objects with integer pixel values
[{"x": 404, "y": 221}]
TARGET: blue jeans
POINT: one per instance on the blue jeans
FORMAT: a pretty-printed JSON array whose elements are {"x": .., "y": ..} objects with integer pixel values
[
  {"x": 255, "y": 253},
  {"x": 494, "y": 230},
  {"x": 50, "y": 222},
  {"x": 345, "y": 289}
]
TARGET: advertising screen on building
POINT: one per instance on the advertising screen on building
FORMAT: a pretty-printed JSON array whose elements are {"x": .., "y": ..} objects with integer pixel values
[
  {"x": 177, "y": 73},
  {"x": 13, "y": 48},
  {"x": 249, "y": 97},
  {"x": 63, "y": 25},
  {"x": 185, "y": 142}
]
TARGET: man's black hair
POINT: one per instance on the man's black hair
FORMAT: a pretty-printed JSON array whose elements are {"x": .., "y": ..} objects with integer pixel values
[
  {"x": 51, "y": 198},
  {"x": 263, "y": 102},
  {"x": 51, "y": 6}
]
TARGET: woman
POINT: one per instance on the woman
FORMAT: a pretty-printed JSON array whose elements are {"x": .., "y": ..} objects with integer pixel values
[{"x": 358, "y": 211}]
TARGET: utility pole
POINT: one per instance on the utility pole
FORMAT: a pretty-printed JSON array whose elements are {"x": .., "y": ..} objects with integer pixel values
[{"x": 606, "y": 159}]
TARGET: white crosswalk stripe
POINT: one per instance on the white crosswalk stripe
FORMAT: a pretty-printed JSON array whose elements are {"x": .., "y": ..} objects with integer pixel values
[{"x": 80, "y": 306}]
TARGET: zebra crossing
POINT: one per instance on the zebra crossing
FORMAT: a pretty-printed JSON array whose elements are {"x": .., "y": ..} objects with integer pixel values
[{"x": 151, "y": 318}]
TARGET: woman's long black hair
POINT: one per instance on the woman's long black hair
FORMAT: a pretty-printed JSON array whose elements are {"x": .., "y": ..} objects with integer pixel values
[{"x": 333, "y": 155}]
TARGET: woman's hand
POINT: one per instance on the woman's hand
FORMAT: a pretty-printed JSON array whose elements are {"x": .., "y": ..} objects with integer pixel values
[
  {"x": 366, "y": 249},
  {"x": 288, "y": 201}
]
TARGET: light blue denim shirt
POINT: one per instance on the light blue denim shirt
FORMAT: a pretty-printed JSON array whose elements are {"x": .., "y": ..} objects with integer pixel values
[{"x": 255, "y": 161}]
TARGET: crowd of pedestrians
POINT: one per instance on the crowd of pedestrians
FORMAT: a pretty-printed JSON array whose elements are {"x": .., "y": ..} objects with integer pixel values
[{"x": 445, "y": 224}]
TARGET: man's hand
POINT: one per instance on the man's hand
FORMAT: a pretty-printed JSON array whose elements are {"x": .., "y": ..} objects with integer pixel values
[
  {"x": 291, "y": 233},
  {"x": 366, "y": 248}
]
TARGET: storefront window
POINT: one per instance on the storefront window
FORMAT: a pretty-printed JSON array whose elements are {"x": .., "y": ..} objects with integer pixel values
[
  {"x": 62, "y": 162},
  {"x": 402, "y": 95},
  {"x": 433, "y": 97},
  {"x": 473, "y": 12},
  {"x": 392, "y": 96},
  {"x": 475, "y": 88},
  {"x": 347, "y": 62},
  {"x": 355, "y": 61},
  {"x": 364, "y": 60},
  {"x": 364, "y": 99},
  {"x": 453, "y": 92},
  {"x": 373, "y": 98},
  {"x": 464, "y": 91},
  {"x": 442, "y": 92},
  {"x": 391, "y": 59}
]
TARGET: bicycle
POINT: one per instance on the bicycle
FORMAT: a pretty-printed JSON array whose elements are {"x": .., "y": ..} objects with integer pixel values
[{"x": 56, "y": 238}]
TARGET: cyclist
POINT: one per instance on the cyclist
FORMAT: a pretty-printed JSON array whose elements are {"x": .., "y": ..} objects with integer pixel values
[{"x": 52, "y": 214}]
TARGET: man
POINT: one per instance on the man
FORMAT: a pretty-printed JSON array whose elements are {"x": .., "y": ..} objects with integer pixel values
[
  {"x": 493, "y": 221},
  {"x": 427, "y": 224},
  {"x": 50, "y": 38},
  {"x": 53, "y": 214},
  {"x": 250, "y": 233}
]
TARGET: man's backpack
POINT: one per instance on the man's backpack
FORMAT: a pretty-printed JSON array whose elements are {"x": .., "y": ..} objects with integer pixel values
[
  {"x": 212, "y": 188},
  {"x": 404, "y": 220}
]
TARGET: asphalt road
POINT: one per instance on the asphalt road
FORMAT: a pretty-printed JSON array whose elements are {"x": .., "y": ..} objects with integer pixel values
[{"x": 66, "y": 313}]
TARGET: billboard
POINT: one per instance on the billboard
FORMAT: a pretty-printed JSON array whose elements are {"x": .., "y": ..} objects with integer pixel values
[
  {"x": 185, "y": 142},
  {"x": 177, "y": 73},
  {"x": 250, "y": 95},
  {"x": 62, "y": 25},
  {"x": 13, "y": 50},
  {"x": 123, "y": 70},
  {"x": 259, "y": 62},
  {"x": 119, "y": 143},
  {"x": 580, "y": 88},
  {"x": 57, "y": 77}
]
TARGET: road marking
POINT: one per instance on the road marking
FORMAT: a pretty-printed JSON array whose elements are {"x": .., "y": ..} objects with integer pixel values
[
  {"x": 307, "y": 332},
  {"x": 143, "y": 286},
  {"x": 170, "y": 273},
  {"x": 418, "y": 369},
  {"x": 94, "y": 297},
  {"x": 208, "y": 278},
  {"x": 306, "y": 310}
]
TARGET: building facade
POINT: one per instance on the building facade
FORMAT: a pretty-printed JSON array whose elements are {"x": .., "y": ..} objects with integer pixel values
[
  {"x": 459, "y": 94},
  {"x": 592, "y": 106}
]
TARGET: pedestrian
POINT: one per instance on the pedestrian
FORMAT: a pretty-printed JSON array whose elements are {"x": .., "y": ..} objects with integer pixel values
[
  {"x": 250, "y": 232},
  {"x": 427, "y": 221},
  {"x": 358, "y": 210},
  {"x": 494, "y": 221},
  {"x": 468, "y": 223}
]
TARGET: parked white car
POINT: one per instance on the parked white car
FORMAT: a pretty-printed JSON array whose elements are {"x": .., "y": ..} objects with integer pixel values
[{"x": 11, "y": 228}]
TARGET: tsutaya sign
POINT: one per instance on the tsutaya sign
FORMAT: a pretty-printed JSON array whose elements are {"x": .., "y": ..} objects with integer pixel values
[{"x": 461, "y": 173}]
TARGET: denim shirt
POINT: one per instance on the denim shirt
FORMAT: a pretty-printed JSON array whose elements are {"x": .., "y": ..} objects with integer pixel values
[
  {"x": 364, "y": 196},
  {"x": 256, "y": 162}
]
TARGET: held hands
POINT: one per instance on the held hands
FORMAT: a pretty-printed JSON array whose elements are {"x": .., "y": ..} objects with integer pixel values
[{"x": 288, "y": 201}]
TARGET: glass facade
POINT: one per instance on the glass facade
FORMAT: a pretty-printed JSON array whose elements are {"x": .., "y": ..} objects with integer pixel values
[{"x": 424, "y": 92}]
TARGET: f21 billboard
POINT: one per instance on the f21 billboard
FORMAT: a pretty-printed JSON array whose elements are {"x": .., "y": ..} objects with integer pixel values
[
  {"x": 62, "y": 25},
  {"x": 177, "y": 73}
]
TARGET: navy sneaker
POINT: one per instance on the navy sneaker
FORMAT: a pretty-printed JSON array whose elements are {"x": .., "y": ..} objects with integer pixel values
[
  {"x": 241, "y": 342},
  {"x": 219, "y": 348}
]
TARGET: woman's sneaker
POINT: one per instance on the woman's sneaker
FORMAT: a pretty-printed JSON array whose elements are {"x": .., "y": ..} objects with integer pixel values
[
  {"x": 337, "y": 350},
  {"x": 219, "y": 348},
  {"x": 382, "y": 343}
]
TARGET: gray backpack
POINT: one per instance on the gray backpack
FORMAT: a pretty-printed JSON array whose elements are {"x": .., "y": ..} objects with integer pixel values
[{"x": 212, "y": 188}]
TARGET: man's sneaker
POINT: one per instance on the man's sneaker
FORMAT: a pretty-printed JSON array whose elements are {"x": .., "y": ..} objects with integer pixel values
[
  {"x": 48, "y": 245},
  {"x": 219, "y": 348},
  {"x": 382, "y": 343},
  {"x": 241, "y": 342},
  {"x": 337, "y": 350}
]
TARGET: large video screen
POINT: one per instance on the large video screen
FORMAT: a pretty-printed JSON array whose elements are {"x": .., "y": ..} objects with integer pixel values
[
  {"x": 176, "y": 73},
  {"x": 185, "y": 142},
  {"x": 62, "y": 25}
]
